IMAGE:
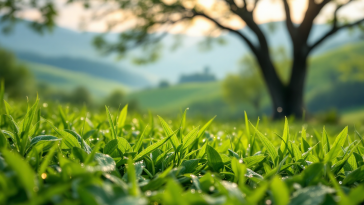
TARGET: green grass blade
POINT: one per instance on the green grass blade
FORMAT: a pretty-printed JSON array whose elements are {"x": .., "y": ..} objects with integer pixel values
[
  {"x": 190, "y": 138},
  {"x": 122, "y": 116},
  {"x": 336, "y": 147},
  {"x": 168, "y": 131},
  {"x": 139, "y": 143},
  {"x": 268, "y": 145},
  {"x": 285, "y": 137},
  {"x": 247, "y": 127},
  {"x": 111, "y": 123},
  {"x": 22, "y": 169},
  {"x": 152, "y": 147},
  {"x": 133, "y": 187},
  {"x": 47, "y": 159},
  {"x": 214, "y": 159},
  {"x": 182, "y": 125}
]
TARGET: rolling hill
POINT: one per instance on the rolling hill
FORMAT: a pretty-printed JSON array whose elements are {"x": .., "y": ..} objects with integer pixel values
[
  {"x": 66, "y": 80},
  {"x": 89, "y": 68}
]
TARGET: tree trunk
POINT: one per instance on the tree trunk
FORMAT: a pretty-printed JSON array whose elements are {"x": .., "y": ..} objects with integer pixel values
[
  {"x": 292, "y": 102},
  {"x": 287, "y": 100}
]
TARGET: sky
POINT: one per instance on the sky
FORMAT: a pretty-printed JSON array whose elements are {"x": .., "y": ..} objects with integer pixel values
[{"x": 73, "y": 16}]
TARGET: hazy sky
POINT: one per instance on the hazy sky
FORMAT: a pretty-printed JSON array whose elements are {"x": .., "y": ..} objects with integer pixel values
[{"x": 71, "y": 16}]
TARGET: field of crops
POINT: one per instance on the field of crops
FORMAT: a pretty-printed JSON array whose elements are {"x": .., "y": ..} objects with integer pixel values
[{"x": 67, "y": 155}]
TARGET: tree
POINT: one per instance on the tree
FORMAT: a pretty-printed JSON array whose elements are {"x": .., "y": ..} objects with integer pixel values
[
  {"x": 245, "y": 87},
  {"x": 115, "y": 99},
  {"x": 287, "y": 98},
  {"x": 80, "y": 95},
  {"x": 19, "y": 82},
  {"x": 11, "y": 9},
  {"x": 163, "y": 84}
]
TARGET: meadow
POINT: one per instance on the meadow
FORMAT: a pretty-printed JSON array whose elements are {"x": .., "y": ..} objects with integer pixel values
[{"x": 67, "y": 155}]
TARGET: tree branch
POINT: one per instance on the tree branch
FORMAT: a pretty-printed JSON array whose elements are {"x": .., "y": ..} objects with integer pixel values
[
  {"x": 255, "y": 5},
  {"x": 337, "y": 10},
  {"x": 236, "y": 32},
  {"x": 312, "y": 12},
  {"x": 291, "y": 28},
  {"x": 333, "y": 31}
]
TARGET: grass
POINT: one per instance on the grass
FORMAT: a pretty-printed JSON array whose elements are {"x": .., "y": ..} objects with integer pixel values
[
  {"x": 69, "y": 80},
  {"x": 66, "y": 155}
]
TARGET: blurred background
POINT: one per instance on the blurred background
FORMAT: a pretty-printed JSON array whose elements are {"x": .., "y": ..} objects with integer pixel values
[{"x": 57, "y": 49}]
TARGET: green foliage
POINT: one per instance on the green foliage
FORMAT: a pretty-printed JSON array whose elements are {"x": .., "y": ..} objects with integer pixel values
[
  {"x": 114, "y": 158},
  {"x": 115, "y": 98},
  {"x": 18, "y": 81},
  {"x": 248, "y": 86}
]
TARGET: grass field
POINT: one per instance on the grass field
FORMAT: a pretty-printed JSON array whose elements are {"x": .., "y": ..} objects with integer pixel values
[
  {"x": 176, "y": 97},
  {"x": 66, "y": 155}
]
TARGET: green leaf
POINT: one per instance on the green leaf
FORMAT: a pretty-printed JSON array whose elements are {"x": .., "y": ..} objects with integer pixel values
[
  {"x": 79, "y": 154},
  {"x": 190, "y": 138},
  {"x": 22, "y": 169},
  {"x": 253, "y": 160},
  {"x": 296, "y": 152},
  {"x": 3, "y": 140},
  {"x": 336, "y": 147},
  {"x": 151, "y": 148},
  {"x": 2, "y": 93},
  {"x": 325, "y": 141},
  {"x": 239, "y": 171},
  {"x": 354, "y": 176},
  {"x": 69, "y": 140},
  {"x": 168, "y": 131},
  {"x": 47, "y": 159},
  {"x": 91, "y": 156},
  {"x": 312, "y": 195},
  {"x": 356, "y": 194},
  {"x": 123, "y": 145},
  {"x": 268, "y": 145},
  {"x": 133, "y": 187},
  {"x": 111, "y": 123},
  {"x": 190, "y": 165},
  {"x": 258, "y": 193},
  {"x": 182, "y": 125},
  {"x": 214, "y": 159},
  {"x": 340, "y": 164},
  {"x": 81, "y": 141},
  {"x": 280, "y": 191},
  {"x": 111, "y": 146},
  {"x": 43, "y": 143},
  {"x": 202, "y": 130},
  {"x": 304, "y": 144},
  {"x": 8, "y": 108},
  {"x": 172, "y": 193},
  {"x": 15, "y": 128},
  {"x": 27, "y": 122},
  {"x": 106, "y": 163},
  {"x": 247, "y": 127},
  {"x": 285, "y": 137},
  {"x": 122, "y": 116},
  {"x": 63, "y": 118},
  {"x": 139, "y": 143}
]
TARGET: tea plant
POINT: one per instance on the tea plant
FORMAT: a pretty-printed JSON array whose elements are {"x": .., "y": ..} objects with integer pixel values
[{"x": 63, "y": 155}]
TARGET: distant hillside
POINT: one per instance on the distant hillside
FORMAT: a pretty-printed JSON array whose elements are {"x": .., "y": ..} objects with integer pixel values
[
  {"x": 185, "y": 60},
  {"x": 89, "y": 67},
  {"x": 67, "y": 80}
]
